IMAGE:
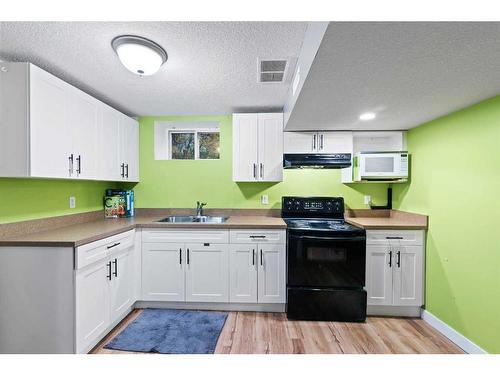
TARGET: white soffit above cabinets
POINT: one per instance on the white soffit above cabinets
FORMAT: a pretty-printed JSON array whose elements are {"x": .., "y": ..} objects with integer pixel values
[
  {"x": 211, "y": 67},
  {"x": 405, "y": 73}
]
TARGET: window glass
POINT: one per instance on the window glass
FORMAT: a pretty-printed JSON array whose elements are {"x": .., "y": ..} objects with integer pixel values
[
  {"x": 208, "y": 145},
  {"x": 182, "y": 145}
]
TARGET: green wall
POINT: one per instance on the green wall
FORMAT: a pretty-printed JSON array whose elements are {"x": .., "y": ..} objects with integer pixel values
[
  {"x": 24, "y": 199},
  {"x": 180, "y": 183},
  {"x": 456, "y": 181}
]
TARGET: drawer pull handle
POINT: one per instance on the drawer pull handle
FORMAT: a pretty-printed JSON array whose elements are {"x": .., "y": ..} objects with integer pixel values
[
  {"x": 394, "y": 238},
  {"x": 180, "y": 256},
  {"x": 187, "y": 256},
  {"x": 390, "y": 258},
  {"x": 257, "y": 236},
  {"x": 116, "y": 267},
  {"x": 399, "y": 259},
  {"x": 114, "y": 245},
  {"x": 253, "y": 257},
  {"x": 261, "y": 258},
  {"x": 109, "y": 270}
]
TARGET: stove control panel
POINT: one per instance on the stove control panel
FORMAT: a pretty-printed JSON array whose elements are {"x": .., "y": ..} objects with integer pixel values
[{"x": 312, "y": 205}]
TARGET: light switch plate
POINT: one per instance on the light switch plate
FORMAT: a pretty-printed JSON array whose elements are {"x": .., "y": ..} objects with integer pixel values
[
  {"x": 368, "y": 199},
  {"x": 72, "y": 202},
  {"x": 264, "y": 199}
]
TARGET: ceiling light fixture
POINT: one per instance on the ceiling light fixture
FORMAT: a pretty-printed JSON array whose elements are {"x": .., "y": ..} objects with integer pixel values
[
  {"x": 367, "y": 116},
  {"x": 139, "y": 55}
]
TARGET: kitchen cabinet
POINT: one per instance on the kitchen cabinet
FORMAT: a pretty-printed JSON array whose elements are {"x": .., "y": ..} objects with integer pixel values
[
  {"x": 395, "y": 267},
  {"x": 257, "y": 147},
  {"x": 54, "y": 130},
  {"x": 163, "y": 270},
  {"x": 323, "y": 142},
  {"x": 92, "y": 303},
  {"x": 243, "y": 269},
  {"x": 257, "y": 266},
  {"x": 185, "y": 265},
  {"x": 104, "y": 289},
  {"x": 207, "y": 272}
]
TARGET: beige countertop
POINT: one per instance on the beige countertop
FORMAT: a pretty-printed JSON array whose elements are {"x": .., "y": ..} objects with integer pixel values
[
  {"x": 386, "y": 219},
  {"x": 83, "y": 233}
]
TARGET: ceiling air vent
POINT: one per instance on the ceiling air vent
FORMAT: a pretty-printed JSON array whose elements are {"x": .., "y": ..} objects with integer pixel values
[{"x": 272, "y": 71}]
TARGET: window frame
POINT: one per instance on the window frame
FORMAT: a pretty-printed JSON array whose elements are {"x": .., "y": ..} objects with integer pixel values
[{"x": 194, "y": 131}]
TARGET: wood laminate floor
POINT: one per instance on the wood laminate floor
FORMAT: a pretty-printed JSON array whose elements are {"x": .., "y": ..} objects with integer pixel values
[{"x": 262, "y": 333}]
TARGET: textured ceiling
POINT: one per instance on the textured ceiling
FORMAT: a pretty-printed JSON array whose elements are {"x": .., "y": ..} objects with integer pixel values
[
  {"x": 211, "y": 69},
  {"x": 408, "y": 73}
]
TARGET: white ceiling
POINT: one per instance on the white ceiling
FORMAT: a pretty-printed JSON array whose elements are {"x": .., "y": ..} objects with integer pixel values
[
  {"x": 211, "y": 67},
  {"x": 408, "y": 73}
]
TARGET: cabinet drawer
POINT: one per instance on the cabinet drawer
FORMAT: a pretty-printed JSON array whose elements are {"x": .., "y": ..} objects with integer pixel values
[
  {"x": 95, "y": 251},
  {"x": 258, "y": 236},
  {"x": 401, "y": 237},
  {"x": 196, "y": 236}
]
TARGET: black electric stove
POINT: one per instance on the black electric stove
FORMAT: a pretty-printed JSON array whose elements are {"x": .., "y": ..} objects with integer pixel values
[{"x": 325, "y": 261}]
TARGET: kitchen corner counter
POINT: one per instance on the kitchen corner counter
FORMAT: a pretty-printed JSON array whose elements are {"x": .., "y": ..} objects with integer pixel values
[
  {"x": 81, "y": 234},
  {"x": 386, "y": 219}
]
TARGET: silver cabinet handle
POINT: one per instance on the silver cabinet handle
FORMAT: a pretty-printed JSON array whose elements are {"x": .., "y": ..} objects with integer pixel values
[
  {"x": 254, "y": 171},
  {"x": 261, "y": 170},
  {"x": 79, "y": 164},
  {"x": 314, "y": 142},
  {"x": 321, "y": 142}
]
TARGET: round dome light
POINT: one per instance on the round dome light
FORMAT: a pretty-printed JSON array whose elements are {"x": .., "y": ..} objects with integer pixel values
[{"x": 139, "y": 55}]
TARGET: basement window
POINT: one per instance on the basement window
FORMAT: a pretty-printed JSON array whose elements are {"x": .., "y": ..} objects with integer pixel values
[
  {"x": 194, "y": 144},
  {"x": 187, "y": 141}
]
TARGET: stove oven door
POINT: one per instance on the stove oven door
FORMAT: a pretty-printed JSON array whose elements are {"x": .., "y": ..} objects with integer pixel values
[{"x": 326, "y": 262}]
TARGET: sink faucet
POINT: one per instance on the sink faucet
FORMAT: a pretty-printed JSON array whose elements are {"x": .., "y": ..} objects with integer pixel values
[{"x": 199, "y": 208}]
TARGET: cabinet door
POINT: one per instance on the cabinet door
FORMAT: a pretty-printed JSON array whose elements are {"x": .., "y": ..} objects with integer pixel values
[
  {"x": 408, "y": 275},
  {"x": 379, "y": 266},
  {"x": 335, "y": 142},
  {"x": 243, "y": 273},
  {"x": 245, "y": 139},
  {"x": 270, "y": 147},
  {"x": 92, "y": 304},
  {"x": 109, "y": 144},
  {"x": 207, "y": 273},
  {"x": 49, "y": 129},
  {"x": 271, "y": 273},
  {"x": 83, "y": 122},
  {"x": 163, "y": 271},
  {"x": 122, "y": 283},
  {"x": 300, "y": 142},
  {"x": 131, "y": 148}
]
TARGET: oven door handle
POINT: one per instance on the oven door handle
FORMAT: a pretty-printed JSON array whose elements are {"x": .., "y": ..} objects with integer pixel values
[{"x": 320, "y": 238}]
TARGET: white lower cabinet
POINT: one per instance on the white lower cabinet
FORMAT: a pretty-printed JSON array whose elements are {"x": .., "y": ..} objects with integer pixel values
[
  {"x": 163, "y": 266},
  {"x": 104, "y": 290},
  {"x": 214, "y": 266},
  {"x": 207, "y": 272},
  {"x": 257, "y": 269},
  {"x": 92, "y": 304},
  {"x": 394, "y": 270}
]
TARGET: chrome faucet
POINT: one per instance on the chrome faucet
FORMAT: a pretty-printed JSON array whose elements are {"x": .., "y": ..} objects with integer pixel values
[{"x": 199, "y": 208}]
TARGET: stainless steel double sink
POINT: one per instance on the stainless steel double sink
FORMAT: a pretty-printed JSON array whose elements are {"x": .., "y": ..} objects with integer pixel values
[{"x": 194, "y": 219}]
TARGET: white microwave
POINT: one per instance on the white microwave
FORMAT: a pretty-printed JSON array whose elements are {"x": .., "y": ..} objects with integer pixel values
[{"x": 392, "y": 165}]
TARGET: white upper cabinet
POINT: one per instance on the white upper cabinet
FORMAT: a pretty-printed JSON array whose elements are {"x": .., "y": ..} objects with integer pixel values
[
  {"x": 51, "y": 129},
  {"x": 49, "y": 149},
  {"x": 257, "y": 147},
  {"x": 317, "y": 142}
]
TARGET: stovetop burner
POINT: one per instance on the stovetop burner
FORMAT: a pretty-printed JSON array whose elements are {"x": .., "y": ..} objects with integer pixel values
[{"x": 321, "y": 225}]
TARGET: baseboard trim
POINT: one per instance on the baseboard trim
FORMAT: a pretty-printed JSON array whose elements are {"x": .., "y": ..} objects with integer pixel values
[
  {"x": 406, "y": 311},
  {"x": 259, "y": 307},
  {"x": 460, "y": 340}
]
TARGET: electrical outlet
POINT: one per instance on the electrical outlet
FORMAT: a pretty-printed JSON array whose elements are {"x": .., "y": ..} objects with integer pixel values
[
  {"x": 72, "y": 202},
  {"x": 368, "y": 199},
  {"x": 264, "y": 199}
]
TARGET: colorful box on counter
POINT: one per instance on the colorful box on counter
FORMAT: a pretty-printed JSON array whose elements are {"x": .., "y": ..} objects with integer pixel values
[{"x": 125, "y": 199}]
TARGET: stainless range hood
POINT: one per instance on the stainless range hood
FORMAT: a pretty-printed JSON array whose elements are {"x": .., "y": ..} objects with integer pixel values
[{"x": 327, "y": 161}]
